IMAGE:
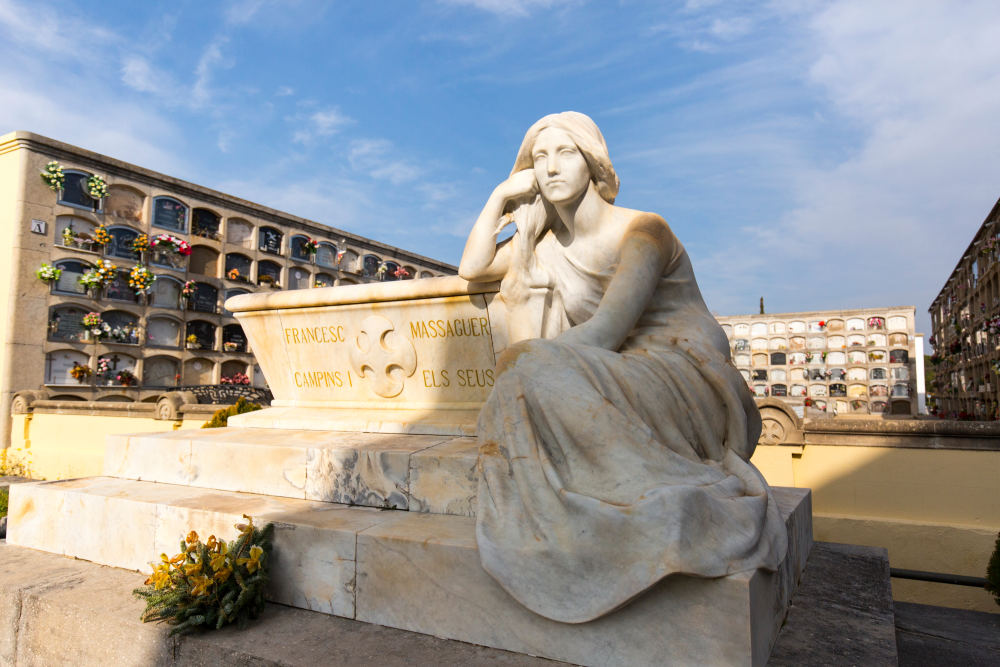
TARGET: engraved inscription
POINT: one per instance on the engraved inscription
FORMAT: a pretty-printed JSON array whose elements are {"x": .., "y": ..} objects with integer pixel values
[
  {"x": 371, "y": 357},
  {"x": 331, "y": 334},
  {"x": 469, "y": 326}
]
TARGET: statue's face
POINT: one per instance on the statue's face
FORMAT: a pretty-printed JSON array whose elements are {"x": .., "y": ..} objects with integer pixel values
[{"x": 560, "y": 168}]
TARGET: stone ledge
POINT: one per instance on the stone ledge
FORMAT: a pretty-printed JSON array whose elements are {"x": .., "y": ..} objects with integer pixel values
[{"x": 842, "y": 612}]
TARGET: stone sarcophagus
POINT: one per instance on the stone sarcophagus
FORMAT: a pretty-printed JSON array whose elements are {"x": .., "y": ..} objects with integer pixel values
[{"x": 412, "y": 357}]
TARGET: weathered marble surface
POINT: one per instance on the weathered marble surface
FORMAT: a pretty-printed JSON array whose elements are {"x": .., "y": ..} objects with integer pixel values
[
  {"x": 443, "y": 478},
  {"x": 412, "y": 421},
  {"x": 368, "y": 469},
  {"x": 411, "y": 570},
  {"x": 125, "y": 523}
]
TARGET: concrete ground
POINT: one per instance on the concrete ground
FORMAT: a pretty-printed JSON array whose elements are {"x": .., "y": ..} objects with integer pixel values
[{"x": 942, "y": 637}]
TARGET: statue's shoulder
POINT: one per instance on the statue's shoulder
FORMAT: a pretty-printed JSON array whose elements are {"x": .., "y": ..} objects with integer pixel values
[{"x": 652, "y": 226}]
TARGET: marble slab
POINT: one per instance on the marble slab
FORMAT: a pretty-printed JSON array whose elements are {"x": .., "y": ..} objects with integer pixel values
[
  {"x": 410, "y": 421},
  {"x": 421, "y": 572},
  {"x": 127, "y": 524},
  {"x": 444, "y": 479},
  {"x": 368, "y": 469}
]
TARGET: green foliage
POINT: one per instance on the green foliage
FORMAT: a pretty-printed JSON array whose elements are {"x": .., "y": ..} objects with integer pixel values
[
  {"x": 221, "y": 417},
  {"x": 993, "y": 572},
  {"x": 4, "y": 498},
  {"x": 209, "y": 585}
]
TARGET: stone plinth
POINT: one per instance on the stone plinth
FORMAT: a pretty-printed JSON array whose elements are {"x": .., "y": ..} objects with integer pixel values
[{"x": 415, "y": 570}]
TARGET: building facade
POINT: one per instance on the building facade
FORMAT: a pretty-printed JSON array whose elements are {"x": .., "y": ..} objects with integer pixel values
[
  {"x": 965, "y": 319},
  {"x": 841, "y": 361},
  {"x": 202, "y": 246}
]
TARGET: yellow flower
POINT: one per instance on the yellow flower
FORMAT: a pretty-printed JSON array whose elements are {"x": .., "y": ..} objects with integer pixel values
[
  {"x": 191, "y": 538},
  {"x": 201, "y": 585},
  {"x": 219, "y": 559},
  {"x": 167, "y": 562},
  {"x": 212, "y": 542},
  {"x": 245, "y": 528},
  {"x": 193, "y": 568},
  {"x": 222, "y": 575},
  {"x": 160, "y": 578},
  {"x": 253, "y": 562}
]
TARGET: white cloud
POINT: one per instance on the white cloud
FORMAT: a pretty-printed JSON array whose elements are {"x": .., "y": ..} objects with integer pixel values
[
  {"x": 508, "y": 7},
  {"x": 324, "y": 123},
  {"x": 210, "y": 59},
  {"x": 372, "y": 156},
  {"x": 139, "y": 75},
  {"x": 285, "y": 91}
]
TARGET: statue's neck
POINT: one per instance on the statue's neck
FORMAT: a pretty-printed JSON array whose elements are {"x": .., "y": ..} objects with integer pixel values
[{"x": 584, "y": 216}]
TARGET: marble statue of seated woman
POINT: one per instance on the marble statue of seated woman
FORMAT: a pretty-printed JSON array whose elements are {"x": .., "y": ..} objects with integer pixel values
[{"x": 614, "y": 448}]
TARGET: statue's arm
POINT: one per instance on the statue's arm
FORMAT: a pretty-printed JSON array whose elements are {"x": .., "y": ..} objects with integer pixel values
[
  {"x": 483, "y": 260},
  {"x": 646, "y": 248}
]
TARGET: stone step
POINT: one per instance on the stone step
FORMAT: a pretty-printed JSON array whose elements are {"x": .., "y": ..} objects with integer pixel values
[
  {"x": 423, "y": 473},
  {"x": 416, "y": 571},
  {"x": 430, "y": 419}
]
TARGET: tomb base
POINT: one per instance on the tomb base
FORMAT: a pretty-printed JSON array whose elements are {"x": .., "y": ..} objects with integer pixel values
[{"x": 416, "y": 570}]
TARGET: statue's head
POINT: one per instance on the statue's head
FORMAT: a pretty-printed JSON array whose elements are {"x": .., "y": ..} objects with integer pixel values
[{"x": 567, "y": 152}]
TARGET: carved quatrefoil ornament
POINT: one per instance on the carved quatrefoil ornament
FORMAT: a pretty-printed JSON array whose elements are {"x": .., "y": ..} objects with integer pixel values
[{"x": 384, "y": 366}]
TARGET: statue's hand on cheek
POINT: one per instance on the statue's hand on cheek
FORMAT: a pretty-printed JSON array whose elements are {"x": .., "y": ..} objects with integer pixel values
[{"x": 520, "y": 186}]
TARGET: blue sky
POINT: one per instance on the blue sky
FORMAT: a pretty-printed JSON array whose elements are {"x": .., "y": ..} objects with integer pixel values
[{"x": 822, "y": 154}]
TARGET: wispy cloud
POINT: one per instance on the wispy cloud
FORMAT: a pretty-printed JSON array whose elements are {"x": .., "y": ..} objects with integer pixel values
[
  {"x": 508, "y": 7},
  {"x": 211, "y": 59},
  {"x": 323, "y": 123},
  {"x": 373, "y": 157}
]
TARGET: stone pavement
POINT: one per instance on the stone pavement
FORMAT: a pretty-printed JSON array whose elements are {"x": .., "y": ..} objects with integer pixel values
[
  {"x": 56, "y": 611},
  {"x": 945, "y": 637}
]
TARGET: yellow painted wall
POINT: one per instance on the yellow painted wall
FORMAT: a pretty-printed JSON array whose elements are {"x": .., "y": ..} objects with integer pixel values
[
  {"x": 936, "y": 510},
  {"x": 68, "y": 446}
]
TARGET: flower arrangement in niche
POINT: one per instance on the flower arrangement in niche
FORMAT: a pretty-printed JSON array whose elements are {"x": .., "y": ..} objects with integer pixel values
[
  {"x": 48, "y": 273},
  {"x": 53, "y": 175},
  {"x": 192, "y": 342},
  {"x": 170, "y": 243},
  {"x": 320, "y": 283},
  {"x": 188, "y": 289},
  {"x": 97, "y": 187},
  {"x": 340, "y": 256},
  {"x": 101, "y": 275},
  {"x": 95, "y": 327},
  {"x": 234, "y": 274},
  {"x": 103, "y": 368},
  {"x": 141, "y": 279},
  {"x": 401, "y": 273},
  {"x": 311, "y": 246},
  {"x": 382, "y": 268},
  {"x": 140, "y": 243},
  {"x": 269, "y": 280},
  {"x": 229, "y": 347},
  {"x": 68, "y": 235},
  {"x": 102, "y": 236},
  {"x": 80, "y": 372},
  {"x": 237, "y": 378},
  {"x": 126, "y": 377},
  {"x": 210, "y": 584}
]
